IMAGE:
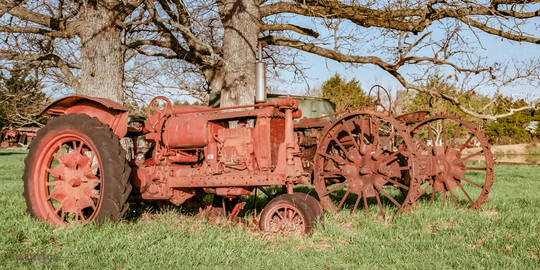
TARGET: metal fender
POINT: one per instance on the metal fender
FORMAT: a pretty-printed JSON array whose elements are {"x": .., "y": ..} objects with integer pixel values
[{"x": 105, "y": 110}]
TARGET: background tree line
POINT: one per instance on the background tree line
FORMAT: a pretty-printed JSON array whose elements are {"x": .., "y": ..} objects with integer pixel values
[
  {"x": 516, "y": 128},
  {"x": 22, "y": 99}
]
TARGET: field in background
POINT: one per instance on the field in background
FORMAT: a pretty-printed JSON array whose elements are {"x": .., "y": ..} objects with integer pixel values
[
  {"x": 526, "y": 153},
  {"x": 517, "y": 153},
  {"x": 503, "y": 234}
]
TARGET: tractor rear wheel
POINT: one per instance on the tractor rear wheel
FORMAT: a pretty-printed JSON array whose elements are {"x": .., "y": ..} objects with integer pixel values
[
  {"x": 461, "y": 161},
  {"x": 364, "y": 155},
  {"x": 76, "y": 172}
]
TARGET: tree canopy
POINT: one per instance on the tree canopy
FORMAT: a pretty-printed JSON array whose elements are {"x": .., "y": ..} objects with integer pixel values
[
  {"x": 89, "y": 45},
  {"x": 21, "y": 99},
  {"x": 346, "y": 95}
]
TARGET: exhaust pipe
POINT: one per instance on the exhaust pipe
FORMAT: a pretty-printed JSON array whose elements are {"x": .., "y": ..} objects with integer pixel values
[{"x": 260, "y": 77}]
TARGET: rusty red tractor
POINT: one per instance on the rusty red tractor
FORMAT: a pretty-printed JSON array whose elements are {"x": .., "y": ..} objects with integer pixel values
[{"x": 78, "y": 170}]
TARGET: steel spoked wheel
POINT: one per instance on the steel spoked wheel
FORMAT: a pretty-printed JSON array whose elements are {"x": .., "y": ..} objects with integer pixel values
[
  {"x": 288, "y": 215},
  {"x": 73, "y": 179},
  {"x": 456, "y": 159},
  {"x": 364, "y": 157},
  {"x": 76, "y": 172}
]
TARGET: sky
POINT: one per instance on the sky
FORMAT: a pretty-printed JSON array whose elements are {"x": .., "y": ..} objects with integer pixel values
[{"x": 494, "y": 48}]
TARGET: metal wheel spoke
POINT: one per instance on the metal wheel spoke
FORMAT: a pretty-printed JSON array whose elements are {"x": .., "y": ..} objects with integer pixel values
[
  {"x": 380, "y": 204},
  {"x": 289, "y": 214},
  {"x": 343, "y": 199},
  {"x": 465, "y": 192},
  {"x": 364, "y": 198},
  {"x": 458, "y": 130},
  {"x": 473, "y": 155},
  {"x": 74, "y": 145},
  {"x": 334, "y": 138},
  {"x": 337, "y": 187},
  {"x": 430, "y": 132},
  {"x": 51, "y": 183},
  {"x": 60, "y": 211},
  {"x": 432, "y": 195},
  {"x": 79, "y": 148},
  {"x": 444, "y": 198},
  {"x": 466, "y": 142},
  {"x": 50, "y": 172},
  {"x": 423, "y": 191},
  {"x": 390, "y": 197},
  {"x": 424, "y": 145},
  {"x": 58, "y": 158},
  {"x": 453, "y": 198},
  {"x": 349, "y": 132},
  {"x": 443, "y": 134},
  {"x": 396, "y": 183},
  {"x": 279, "y": 215},
  {"x": 390, "y": 158},
  {"x": 361, "y": 133},
  {"x": 356, "y": 203},
  {"x": 93, "y": 205},
  {"x": 82, "y": 216},
  {"x": 471, "y": 182},
  {"x": 60, "y": 150}
]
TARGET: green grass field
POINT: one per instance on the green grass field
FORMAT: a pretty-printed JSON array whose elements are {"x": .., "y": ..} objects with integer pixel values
[{"x": 504, "y": 234}]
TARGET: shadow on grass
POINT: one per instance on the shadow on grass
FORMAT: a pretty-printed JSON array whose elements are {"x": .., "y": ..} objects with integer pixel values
[
  {"x": 12, "y": 153},
  {"x": 254, "y": 203}
]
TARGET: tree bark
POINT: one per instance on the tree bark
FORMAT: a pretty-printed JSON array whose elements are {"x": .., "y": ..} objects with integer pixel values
[
  {"x": 241, "y": 21},
  {"x": 102, "y": 54}
]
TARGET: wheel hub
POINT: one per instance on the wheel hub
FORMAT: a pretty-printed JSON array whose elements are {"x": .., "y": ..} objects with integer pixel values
[
  {"x": 449, "y": 168},
  {"x": 364, "y": 176},
  {"x": 75, "y": 184}
]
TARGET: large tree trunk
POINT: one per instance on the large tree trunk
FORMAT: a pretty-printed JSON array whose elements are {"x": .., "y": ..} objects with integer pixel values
[
  {"x": 101, "y": 53},
  {"x": 241, "y": 21}
]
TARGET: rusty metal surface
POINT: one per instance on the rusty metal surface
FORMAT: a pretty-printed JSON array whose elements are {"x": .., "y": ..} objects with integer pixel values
[
  {"x": 412, "y": 117},
  {"x": 107, "y": 111},
  {"x": 444, "y": 167},
  {"x": 60, "y": 105},
  {"x": 365, "y": 154},
  {"x": 229, "y": 152}
]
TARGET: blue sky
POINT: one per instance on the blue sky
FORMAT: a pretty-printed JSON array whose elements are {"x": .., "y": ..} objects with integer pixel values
[{"x": 495, "y": 49}]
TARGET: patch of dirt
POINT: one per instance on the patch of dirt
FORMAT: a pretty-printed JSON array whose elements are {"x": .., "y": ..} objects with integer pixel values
[
  {"x": 476, "y": 245},
  {"x": 490, "y": 213}
]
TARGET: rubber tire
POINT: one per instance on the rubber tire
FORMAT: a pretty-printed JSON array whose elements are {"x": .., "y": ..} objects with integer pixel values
[
  {"x": 313, "y": 203},
  {"x": 116, "y": 170},
  {"x": 307, "y": 213}
]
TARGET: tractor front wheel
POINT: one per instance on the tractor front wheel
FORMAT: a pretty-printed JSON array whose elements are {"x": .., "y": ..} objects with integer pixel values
[
  {"x": 76, "y": 172},
  {"x": 288, "y": 214}
]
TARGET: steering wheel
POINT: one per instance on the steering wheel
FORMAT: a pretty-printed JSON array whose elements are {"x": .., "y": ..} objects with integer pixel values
[
  {"x": 377, "y": 89},
  {"x": 168, "y": 109}
]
